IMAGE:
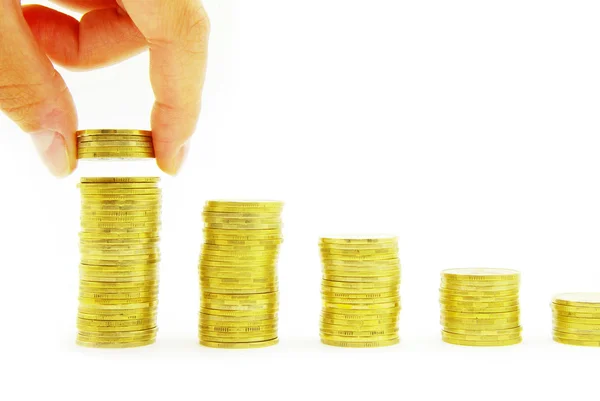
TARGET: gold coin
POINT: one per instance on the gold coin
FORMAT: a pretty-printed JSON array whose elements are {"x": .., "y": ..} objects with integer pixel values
[
  {"x": 113, "y": 190},
  {"x": 111, "y": 329},
  {"x": 368, "y": 275},
  {"x": 115, "y": 144},
  {"x": 481, "y": 337},
  {"x": 391, "y": 280},
  {"x": 575, "y": 327},
  {"x": 370, "y": 285},
  {"x": 108, "y": 155},
  {"x": 231, "y": 318},
  {"x": 484, "y": 290},
  {"x": 355, "y": 344},
  {"x": 361, "y": 263},
  {"x": 328, "y": 332},
  {"x": 356, "y": 240},
  {"x": 125, "y": 180},
  {"x": 241, "y": 242},
  {"x": 92, "y": 132},
  {"x": 577, "y": 342},
  {"x": 592, "y": 337},
  {"x": 357, "y": 324},
  {"x": 484, "y": 295},
  {"x": 485, "y": 316},
  {"x": 114, "y": 318},
  {"x": 578, "y": 299},
  {"x": 261, "y": 344},
  {"x": 256, "y": 290},
  {"x": 500, "y": 332},
  {"x": 574, "y": 315},
  {"x": 116, "y": 345},
  {"x": 459, "y": 309},
  {"x": 393, "y": 251},
  {"x": 244, "y": 215},
  {"x": 575, "y": 309},
  {"x": 240, "y": 248},
  {"x": 247, "y": 313},
  {"x": 244, "y": 226},
  {"x": 352, "y": 301},
  {"x": 237, "y": 234},
  {"x": 84, "y": 140},
  {"x": 361, "y": 314},
  {"x": 237, "y": 330},
  {"x": 257, "y": 204},
  {"x": 479, "y": 324},
  {"x": 243, "y": 220},
  {"x": 480, "y": 274},
  {"x": 369, "y": 297},
  {"x": 471, "y": 343},
  {"x": 237, "y": 340},
  {"x": 360, "y": 247}
]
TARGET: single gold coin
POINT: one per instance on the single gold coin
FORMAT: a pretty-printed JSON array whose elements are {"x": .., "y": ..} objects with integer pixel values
[
  {"x": 472, "y": 343},
  {"x": 108, "y": 155},
  {"x": 578, "y": 299},
  {"x": 501, "y": 332},
  {"x": 359, "y": 239},
  {"x": 245, "y": 204},
  {"x": 88, "y": 344},
  {"x": 581, "y": 343},
  {"x": 249, "y": 345},
  {"x": 480, "y": 316},
  {"x": 575, "y": 309},
  {"x": 125, "y": 180},
  {"x": 481, "y": 337},
  {"x": 480, "y": 274},
  {"x": 92, "y": 132},
  {"x": 360, "y": 344},
  {"x": 591, "y": 337}
]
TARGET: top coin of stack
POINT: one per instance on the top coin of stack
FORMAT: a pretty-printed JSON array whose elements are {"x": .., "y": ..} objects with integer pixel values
[
  {"x": 480, "y": 307},
  {"x": 118, "y": 290},
  {"x": 361, "y": 302},
  {"x": 576, "y": 318},
  {"x": 114, "y": 144},
  {"x": 238, "y": 274}
]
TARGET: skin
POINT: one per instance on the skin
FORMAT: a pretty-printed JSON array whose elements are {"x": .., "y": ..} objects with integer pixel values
[{"x": 35, "y": 96}]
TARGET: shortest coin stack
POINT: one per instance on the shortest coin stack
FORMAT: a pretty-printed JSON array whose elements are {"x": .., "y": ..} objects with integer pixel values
[
  {"x": 360, "y": 291},
  {"x": 576, "y": 318},
  {"x": 238, "y": 274},
  {"x": 114, "y": 144},
  {"x": 480, "y": 307}
]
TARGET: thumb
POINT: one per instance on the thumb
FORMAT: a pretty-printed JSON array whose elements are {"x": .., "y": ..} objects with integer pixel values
[{"x": 34, "y": 95}]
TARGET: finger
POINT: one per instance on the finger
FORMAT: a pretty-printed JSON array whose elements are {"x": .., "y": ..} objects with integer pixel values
[
  {"x": 177, "y": 33},
  {"x": 33, "y": 94},
  {"x": 86, "y": 5},
  {"x": 103, "y": 37}
]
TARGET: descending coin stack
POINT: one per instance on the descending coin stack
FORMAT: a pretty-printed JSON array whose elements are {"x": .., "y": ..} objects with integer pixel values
[
  {"x": 238, "y": 274},
  {"x": 120, "y": 222},
  {"x": 111, "y": 144},
  {"x": 480, "y": 307},
  {"x": 360, "y": 291},
  {"x": 576, "y": 318}
]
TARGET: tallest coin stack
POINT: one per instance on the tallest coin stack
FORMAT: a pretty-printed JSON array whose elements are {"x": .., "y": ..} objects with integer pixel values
[{"x": 120, "y": 222}]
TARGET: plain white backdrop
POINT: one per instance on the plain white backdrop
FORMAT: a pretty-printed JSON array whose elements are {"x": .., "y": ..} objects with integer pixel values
[{"x": 470, "y": 129}]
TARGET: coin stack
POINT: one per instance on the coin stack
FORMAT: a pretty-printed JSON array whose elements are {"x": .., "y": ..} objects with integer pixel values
[
  {"x": 576, "y": 318},
  {"x": 360, "y": 291},
  {"x": 238, "y": 274},
  {"x": 480, "y": 307},
  {"x": 120, "y": 222},
  {"x": 114, "y": 144}
]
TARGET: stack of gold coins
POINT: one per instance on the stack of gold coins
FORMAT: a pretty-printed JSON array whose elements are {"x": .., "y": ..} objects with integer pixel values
[
  {"x": 114, "y": 144},
  {"x": 360, "y": 291},
  {"x": 480, "y": 307},
  {"x": 238, "y": 274},
  {"x": 576, "y": 318},
  {"x": 120, "y": 222}
]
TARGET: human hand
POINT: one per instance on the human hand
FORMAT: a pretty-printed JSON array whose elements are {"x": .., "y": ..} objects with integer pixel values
[{"x": 34, "y": 95}]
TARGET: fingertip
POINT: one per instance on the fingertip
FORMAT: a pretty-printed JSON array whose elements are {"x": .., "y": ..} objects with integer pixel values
[{"x": 170, "y": 159}]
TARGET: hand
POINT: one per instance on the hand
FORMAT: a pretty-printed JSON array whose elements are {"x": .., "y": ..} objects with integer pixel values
[{"x": 34, "y": 95}]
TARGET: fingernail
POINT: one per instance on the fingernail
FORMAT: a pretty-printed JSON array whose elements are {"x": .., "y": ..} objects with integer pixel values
[
  {"x": 180, "y": 157},
  {"x": 53, "y": 150}
]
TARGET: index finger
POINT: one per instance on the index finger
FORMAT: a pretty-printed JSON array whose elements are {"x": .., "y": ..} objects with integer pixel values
[{"x": 177, "y": 34}]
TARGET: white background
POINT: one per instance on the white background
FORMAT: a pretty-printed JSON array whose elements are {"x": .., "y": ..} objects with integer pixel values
[{"x": 467, "y": 128}]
